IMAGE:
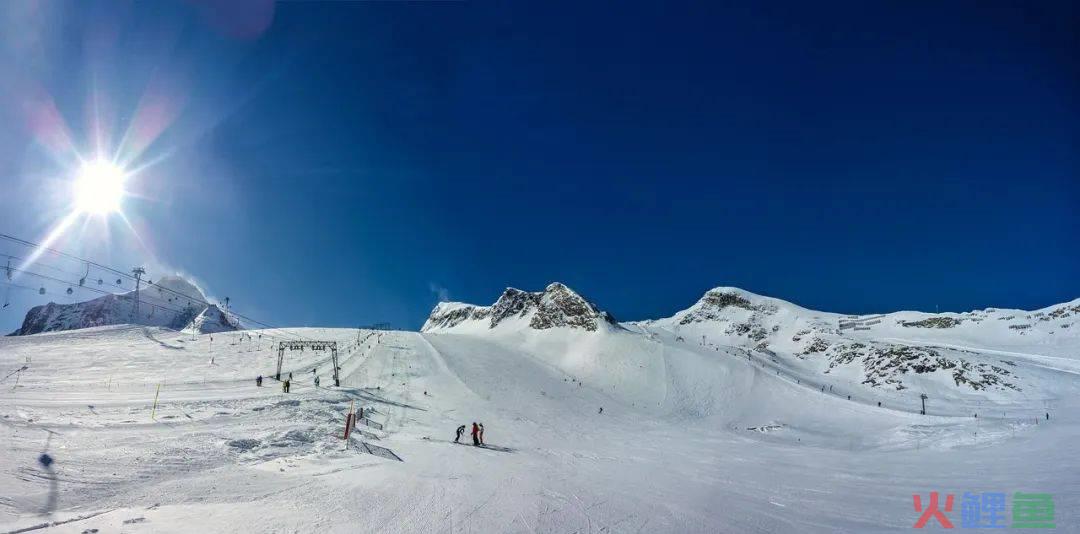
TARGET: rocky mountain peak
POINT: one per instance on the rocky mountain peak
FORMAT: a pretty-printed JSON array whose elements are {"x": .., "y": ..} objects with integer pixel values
[
  {"x": 722, "y": 302},
  {"x": 554, "y": 307},
  {"x": 561, "y": 306}
]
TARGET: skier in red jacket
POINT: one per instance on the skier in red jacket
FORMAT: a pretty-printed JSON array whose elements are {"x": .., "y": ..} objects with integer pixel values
[{"x": 475, "y": 434}]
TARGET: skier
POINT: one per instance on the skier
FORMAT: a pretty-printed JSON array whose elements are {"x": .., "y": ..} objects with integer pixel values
[
  {"x": 481, "y": 433},
  {"x": 290, "y": 375},
  {"x": 601, "y": 409},
  {"x": 1047, "y": 416},
  {"x": 285, "y": 386},
  {"x": 460, "y": 431},
  {"x": 475, "y": 434},
  {"x": 258, "y": 381},
  {"x": 316, "y": 381}
]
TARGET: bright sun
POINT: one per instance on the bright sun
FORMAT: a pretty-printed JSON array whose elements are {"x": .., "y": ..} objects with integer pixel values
[{"x": 99, "y": 187}]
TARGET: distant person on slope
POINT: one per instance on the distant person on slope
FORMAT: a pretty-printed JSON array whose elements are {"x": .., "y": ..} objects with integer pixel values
[
  {"x": 460, "y": 431},
  {"x": 481, "y": 433},
  {"x": 316, "y": 381},
  {"x": 258, "y": 381},
  {"x": 475, "y": 434}
]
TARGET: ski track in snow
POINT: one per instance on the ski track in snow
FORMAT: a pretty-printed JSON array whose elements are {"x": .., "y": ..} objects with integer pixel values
[{"x": 691, "y": 439}]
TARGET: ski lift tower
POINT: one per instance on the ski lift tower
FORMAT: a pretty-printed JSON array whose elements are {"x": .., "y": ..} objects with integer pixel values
[
  {"x": 923, "y": 397},
  {"x": 313, "y": 345},
  {"x": 138, "y": 272}
]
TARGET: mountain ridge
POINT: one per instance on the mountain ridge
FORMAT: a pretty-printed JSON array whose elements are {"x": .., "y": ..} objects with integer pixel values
[
  {"x": 171, "y": 302},
  {"x": 896, "y": 350}
]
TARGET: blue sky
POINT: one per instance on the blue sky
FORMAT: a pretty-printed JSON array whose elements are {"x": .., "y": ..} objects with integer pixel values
[{"x": 348, "y": 163}]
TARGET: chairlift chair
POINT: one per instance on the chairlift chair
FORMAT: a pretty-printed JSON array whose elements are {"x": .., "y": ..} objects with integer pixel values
[{"x": 41, "y": 291}]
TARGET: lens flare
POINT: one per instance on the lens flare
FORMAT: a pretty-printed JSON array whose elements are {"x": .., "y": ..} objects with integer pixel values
[{"x": 99, "y": 188}]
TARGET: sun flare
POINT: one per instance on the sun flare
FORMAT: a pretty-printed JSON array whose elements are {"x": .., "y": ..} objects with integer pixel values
[{"x": 99, "y": 188}]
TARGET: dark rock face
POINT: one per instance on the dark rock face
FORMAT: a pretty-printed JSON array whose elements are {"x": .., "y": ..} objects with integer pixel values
[
  {"x": 513, "y": 302},
  {"x": 53, "y": 316},
  {"x": 886, "y": 365},
  {"x": 559, "y": 306},
  {"x": 932, "y": 322},
  {"x": 711, "y": 306},
  {"x": 556, "y": 306},
  {"x": 171, "y": 303},
  {"x": 441, "y": 318}
]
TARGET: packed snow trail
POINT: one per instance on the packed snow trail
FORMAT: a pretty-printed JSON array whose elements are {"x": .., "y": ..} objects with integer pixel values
[{"x": 690, "y": 440}]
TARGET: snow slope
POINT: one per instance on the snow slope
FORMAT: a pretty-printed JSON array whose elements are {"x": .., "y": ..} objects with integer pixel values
[{"x": 696, "y": 435}]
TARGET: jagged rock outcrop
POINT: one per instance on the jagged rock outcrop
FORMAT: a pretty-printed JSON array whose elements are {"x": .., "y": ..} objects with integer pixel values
[
  {"x": 712, "y": 305},
  {"x": 556, "y": 307}
]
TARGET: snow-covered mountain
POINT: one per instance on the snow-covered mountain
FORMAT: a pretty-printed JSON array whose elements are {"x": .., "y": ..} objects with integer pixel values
[
  {"x": 735, "y": 425},
  {"x": 171, "y": 302},
  {"x": 556, "y": 306},
  {"x": 946, "y": 354},
  {"x": 893, "y": 350}
]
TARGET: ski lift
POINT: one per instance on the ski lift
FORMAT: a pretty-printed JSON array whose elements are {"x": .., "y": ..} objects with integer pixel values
[
  {"x": 117, "y": 281},
  {"x": 100, "y": 281},
  {"x": 41, "y": 291},
  {"x": 70, "y": 291},
  {"x": 152, "y": 309},
  {"x": 82, "y": 280}
]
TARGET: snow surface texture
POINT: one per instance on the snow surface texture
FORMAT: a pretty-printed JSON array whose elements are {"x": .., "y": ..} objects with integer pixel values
[
  {"x": 714, "y": 420},
  {"x": 171, "y": 302}
]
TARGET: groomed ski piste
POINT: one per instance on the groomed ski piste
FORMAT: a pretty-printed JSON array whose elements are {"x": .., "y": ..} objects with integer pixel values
[{"x": 699, "y": 432}]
